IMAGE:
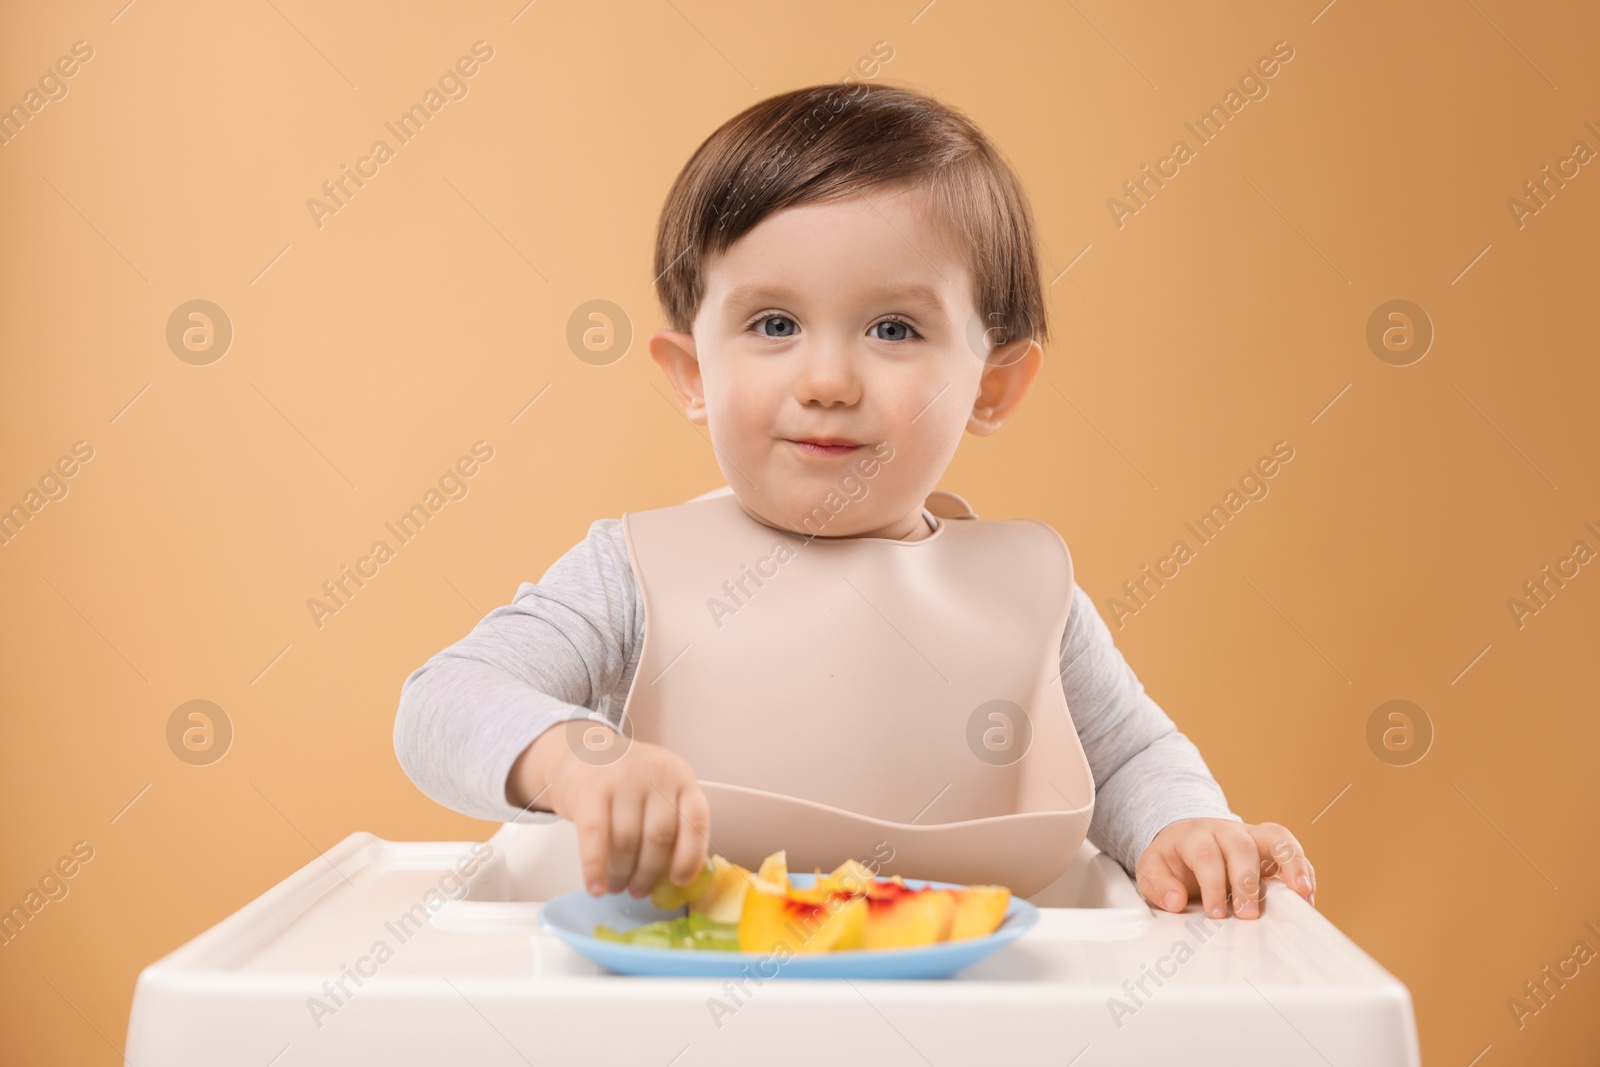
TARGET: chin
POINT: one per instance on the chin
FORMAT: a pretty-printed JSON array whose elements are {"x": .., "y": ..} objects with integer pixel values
[{"x": 805, "y": 512}]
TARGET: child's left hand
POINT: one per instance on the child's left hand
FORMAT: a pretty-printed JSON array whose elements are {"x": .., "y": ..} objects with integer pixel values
[{"x": 1206, "y": 856}]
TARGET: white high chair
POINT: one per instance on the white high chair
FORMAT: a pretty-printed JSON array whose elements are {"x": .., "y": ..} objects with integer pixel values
[{"x": 296, "y": 978}]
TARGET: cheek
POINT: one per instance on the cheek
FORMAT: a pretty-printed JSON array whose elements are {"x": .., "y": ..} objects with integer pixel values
[
  {"x": 934, "y": 404},
  {"x": 739, "y": 405},
  {"x": 924, "y": 418}
]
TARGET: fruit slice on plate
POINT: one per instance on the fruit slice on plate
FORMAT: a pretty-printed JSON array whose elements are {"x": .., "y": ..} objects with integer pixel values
[
  {"x": 898, "y": 917},
  {"x": 775, "y": 869},
  {"x": 801, "y": 920},
  {"x": 669, "y": 895},
  {"x": 851, "y": 876},
  {"x": 723, "y": 900},
  {"x": 979, "y": 910}
]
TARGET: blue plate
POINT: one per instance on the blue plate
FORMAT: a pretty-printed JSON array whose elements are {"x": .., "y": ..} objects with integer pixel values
[{"x": 572, "y": 917}]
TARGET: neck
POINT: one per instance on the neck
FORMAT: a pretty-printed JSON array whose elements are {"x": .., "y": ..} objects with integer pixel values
[
  {"x": 919, "y": 529},
  {"x": 911, "y": 528}
]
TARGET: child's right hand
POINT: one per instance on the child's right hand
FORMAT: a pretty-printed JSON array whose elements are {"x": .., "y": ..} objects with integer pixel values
[{"x": 636, "y": 816}]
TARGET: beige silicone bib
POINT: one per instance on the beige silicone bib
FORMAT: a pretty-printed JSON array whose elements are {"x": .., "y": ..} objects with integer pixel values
[{"x": 895, "y": 702}]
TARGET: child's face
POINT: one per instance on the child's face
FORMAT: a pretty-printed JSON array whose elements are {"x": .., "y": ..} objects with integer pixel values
[{"x": 849, "y": 320}]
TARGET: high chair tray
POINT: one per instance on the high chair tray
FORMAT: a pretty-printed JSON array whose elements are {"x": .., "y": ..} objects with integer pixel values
[{"x": 378, "y": 952}]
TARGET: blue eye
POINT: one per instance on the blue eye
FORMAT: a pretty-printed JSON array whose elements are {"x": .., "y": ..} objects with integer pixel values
[
  {"x": 899, "y": 331},
  {"x": 782, "y": 326}
]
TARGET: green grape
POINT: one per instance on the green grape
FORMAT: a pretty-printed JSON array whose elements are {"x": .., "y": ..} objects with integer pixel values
[
  {"x": 668, "y": 895},
  {"x": 684, "y": 931}
]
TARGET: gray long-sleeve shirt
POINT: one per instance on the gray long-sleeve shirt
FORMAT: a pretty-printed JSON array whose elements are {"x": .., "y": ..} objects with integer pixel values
[{"x": 570, "y": 645}]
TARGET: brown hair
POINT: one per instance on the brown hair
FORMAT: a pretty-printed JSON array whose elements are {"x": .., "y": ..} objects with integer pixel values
[{"x": 824, "y": 142}]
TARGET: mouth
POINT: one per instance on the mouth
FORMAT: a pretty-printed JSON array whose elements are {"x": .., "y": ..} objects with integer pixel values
[{"x": 825, "y": 446}]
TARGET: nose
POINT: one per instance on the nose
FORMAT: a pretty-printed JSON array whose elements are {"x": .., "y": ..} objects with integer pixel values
[{"x": 826, "y": 374}]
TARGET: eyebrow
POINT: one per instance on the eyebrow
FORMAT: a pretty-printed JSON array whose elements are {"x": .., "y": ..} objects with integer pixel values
[{"x": 907, "y": 294}]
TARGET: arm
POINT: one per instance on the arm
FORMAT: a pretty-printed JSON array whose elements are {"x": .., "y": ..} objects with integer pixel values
[
  {"x": 474, "y": 728},
  {"x": 559, "y": 649},
  {"x": 1146, "y": 773},
  {"x": 1158, "y": 811}
]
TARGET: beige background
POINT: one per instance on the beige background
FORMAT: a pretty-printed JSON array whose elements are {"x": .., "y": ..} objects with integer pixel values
[{"x": 370, "y": 353}]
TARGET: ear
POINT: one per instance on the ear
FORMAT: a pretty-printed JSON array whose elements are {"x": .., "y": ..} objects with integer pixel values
[
  {"x": 676, "y": 353},
  {"x": 1008, "y": 374}
]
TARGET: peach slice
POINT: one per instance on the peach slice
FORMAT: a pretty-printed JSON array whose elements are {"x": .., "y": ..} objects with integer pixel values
[
  {"x": 775, "y": 869},
  {"x": 831, "y": 922},
  {"x": 724, "y": 901},
  {"x": 979, "y": 910},
  {"x": 851, "y": 876},
  {"x": 898, "y": 917}
]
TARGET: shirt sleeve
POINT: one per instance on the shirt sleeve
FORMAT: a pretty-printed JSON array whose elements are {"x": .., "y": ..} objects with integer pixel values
[
  {"x": 1146, "y": 773},
  {"x": 556, "y": 652}
]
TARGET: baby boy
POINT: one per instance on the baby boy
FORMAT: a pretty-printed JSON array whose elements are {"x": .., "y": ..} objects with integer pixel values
[{"x": 850, "y": 273}]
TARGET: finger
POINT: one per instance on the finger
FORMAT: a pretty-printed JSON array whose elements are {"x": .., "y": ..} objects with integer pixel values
[
  {"x": 655, "y": 843},
  {"x": 694, "y": 834},
  {"x": 592, "y": 821},
  {"x": 1290, "y": 859},
  {"x": 1299, "y": 876},
  {"x": 1244, "y": 871},
  {"x": 627, "y": 823},
  {"x": 1204, "y": 859},
  {"x": 1159, "y": 885}
]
